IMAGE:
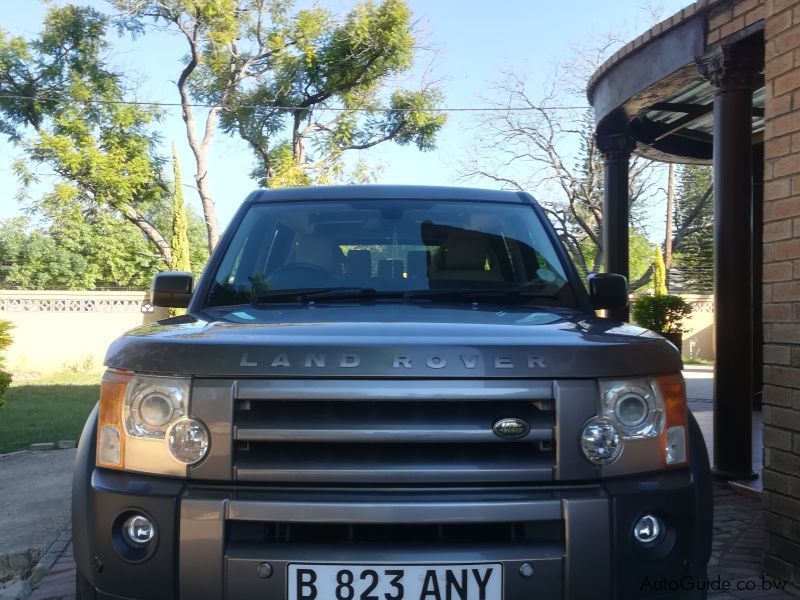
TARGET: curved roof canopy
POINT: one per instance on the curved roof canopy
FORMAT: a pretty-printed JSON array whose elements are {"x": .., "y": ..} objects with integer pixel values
[{"x": 653, "y": 89}]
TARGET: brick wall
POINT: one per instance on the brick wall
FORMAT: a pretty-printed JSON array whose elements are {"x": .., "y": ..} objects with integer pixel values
[
  {"x": 781, "y": 398},
  {"x": 729, "y": 17}
]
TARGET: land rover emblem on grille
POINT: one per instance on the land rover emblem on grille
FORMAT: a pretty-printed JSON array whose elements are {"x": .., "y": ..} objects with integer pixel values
[{"x": 511, "y": 428}]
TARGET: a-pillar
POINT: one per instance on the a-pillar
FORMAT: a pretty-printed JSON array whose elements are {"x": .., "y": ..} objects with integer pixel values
[
  {"x": 616, "y": 149},
  {"x": 732, "y": 70}
]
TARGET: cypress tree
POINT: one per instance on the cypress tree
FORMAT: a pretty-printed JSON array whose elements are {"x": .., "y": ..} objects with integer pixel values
[
  {"x": 659, "y": 274},
  {"x": 180, "y": 238}
]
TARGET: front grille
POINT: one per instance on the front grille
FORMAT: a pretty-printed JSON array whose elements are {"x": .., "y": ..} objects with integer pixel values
[
  {"x": 397, "y": 534},
  {"x": 373, "y": 432}
]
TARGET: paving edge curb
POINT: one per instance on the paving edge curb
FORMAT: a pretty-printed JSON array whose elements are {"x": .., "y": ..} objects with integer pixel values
[
  {"x": 59, "y": 445},
  {"x": 743, "y": 489},
  {"x": 49, "y": 558},
  {"x": 9, "y": 454}
]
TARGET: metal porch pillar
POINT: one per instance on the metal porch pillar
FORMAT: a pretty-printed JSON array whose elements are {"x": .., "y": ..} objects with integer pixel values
[
  {"x": 616, "y": 149},
  {"x": 732, "y": 70}
]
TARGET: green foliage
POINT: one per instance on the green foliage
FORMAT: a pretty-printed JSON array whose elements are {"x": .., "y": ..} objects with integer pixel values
[
  {"x": 181, "y": 259},
  {"x": 103, "y": 154},
  {"x": 276, "y": 73},
  {"x": 74, "y": 252},
  {"x": 72, "y": 249},
  {"x": 5, "y": 383},
  {"x": 694, "y": 212},
  {"x": 640, "y": 255},
  {"x": 640, "y": 252},
  {"x": 66, "y": 52},
  {"x": 662, "y": 314},
  {"x": 5, "y": 342},
  {"x": 659, "y": 273}
]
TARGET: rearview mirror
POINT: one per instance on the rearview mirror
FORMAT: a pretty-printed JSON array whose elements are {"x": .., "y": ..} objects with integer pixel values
[
  {"x": 608, "y": 290},
  {"x": 172, "y": 289}
]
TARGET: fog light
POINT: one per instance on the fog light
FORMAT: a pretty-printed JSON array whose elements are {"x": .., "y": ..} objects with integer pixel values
[
  {"x": 188, "y": 440},
  {"x": 600, "y": 441},
  {"x": 138, "y": 530},
  {"x": 647, "y": 529}
]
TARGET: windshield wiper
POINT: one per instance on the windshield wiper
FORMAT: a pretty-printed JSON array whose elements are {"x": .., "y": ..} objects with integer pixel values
[
  {"x": 367, "y": 294},
  {"x": 305, "y": 295}
]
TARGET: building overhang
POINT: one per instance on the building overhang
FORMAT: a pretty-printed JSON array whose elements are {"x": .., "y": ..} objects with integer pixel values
[{"x": 653, "y": 90}]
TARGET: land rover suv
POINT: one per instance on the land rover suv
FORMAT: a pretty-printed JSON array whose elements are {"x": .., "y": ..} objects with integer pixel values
[{"x": 390, "y": 393}]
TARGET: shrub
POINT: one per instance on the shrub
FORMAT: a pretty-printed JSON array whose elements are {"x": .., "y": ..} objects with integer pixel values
[
  {"x": 5, "y": 342},
  {"x": 662, "y": 314},
  {"x": 5, "y": 381}
]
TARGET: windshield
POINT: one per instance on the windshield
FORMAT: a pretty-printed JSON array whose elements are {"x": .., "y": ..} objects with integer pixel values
[{"x": 389, "y": 248}]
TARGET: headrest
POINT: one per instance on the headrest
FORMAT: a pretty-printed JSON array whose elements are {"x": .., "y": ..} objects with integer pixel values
[
  {"x": 316, "y": 250},
  {"x": 465, "y": 251},
  {"x": 417, "y": 264},
  {"x": 359, "y": 262},
  {"x": 390, "y": 268}
]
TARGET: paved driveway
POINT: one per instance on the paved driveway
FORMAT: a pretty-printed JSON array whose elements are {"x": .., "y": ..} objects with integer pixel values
[{"x": 34, "y": 505}]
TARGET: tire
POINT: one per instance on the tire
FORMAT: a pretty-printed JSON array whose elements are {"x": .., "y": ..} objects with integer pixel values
[
  {"x": 704, "y": 497},
  {"x": 695, "y": 595},
  {"x": 83, "y": 589}
]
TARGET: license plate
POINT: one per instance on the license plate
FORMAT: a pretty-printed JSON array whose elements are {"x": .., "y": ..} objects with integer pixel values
[{"x": 480, "y": 581}]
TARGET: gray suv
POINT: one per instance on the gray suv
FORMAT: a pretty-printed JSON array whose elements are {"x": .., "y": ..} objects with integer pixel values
[{"x": 391, "y": 393}]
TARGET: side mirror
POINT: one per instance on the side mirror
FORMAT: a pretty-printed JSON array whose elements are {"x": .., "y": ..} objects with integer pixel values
[
  {"x": 172, "y": 289},
  {"x": 608, "y": 290}
]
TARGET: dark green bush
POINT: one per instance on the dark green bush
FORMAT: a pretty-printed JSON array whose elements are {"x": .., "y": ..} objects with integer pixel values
[
  {"x": 5, "y": 342},
  {"x": 662, "y": 314}
]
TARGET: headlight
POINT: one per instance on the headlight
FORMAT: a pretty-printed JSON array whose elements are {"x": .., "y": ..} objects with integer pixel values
[
  {"x": 650, "y": 416},
  {"x": 143, "y": 424},
  {"x": 188, "y": 441},
  {"x": 600, "y": 441},
  {"x": 634, "y": 405},
  {"x": 153, "y": 403}
]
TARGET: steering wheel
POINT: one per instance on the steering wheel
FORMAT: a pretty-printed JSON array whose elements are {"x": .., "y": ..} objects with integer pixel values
[{"x": 300, "y": 274}]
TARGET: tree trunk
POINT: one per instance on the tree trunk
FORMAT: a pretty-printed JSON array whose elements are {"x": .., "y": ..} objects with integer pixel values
[
  {"x": 668, "y": 234},
  {"x": 207, "y": 202},
  {"x": 149, "y": 231}
]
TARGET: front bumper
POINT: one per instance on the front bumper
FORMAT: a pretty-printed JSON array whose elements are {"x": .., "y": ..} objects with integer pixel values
[{"x": 199, "y": 554}]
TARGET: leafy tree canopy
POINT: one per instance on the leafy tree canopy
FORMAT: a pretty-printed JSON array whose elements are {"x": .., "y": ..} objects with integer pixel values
[
  {"x": 104, "y": 216},
  {"x": 295, "y": 84},
  {"x": 73, "y": 249}
]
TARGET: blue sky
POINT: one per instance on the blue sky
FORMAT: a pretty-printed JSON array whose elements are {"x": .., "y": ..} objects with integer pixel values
[{"x": 473, "y": 42}]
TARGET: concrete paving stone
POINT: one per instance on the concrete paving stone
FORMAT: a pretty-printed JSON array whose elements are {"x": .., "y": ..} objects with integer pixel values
[
  {"x": 15, "y": 591},
  {"x": 60, "y": 567},
  {"x": 57, "y": 578},
  {"x": 42, "y": 446},
  {"x": 42, "y": 483}
]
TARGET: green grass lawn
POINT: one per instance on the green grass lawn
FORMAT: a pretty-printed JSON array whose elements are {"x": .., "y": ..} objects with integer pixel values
[{"x": 47, "y": 410}]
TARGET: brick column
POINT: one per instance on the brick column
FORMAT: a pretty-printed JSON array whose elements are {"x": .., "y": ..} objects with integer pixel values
[{"x": 781, "y": 272}]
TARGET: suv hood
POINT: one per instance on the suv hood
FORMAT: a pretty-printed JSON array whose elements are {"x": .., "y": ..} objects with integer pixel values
[{"x": 393, "y": 340}]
